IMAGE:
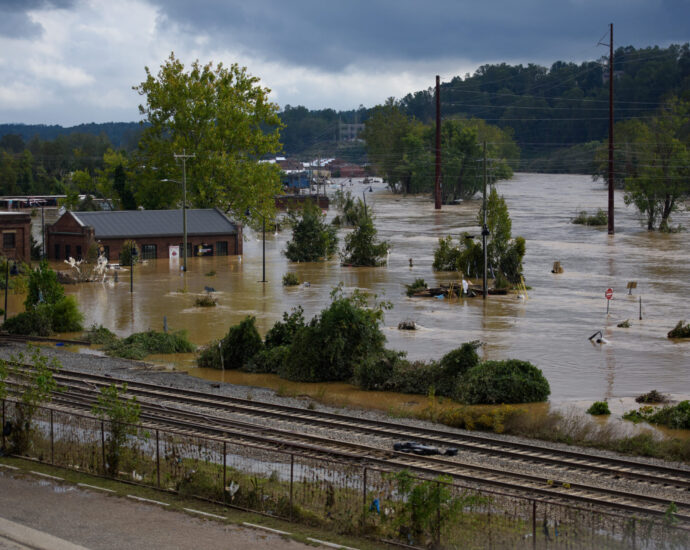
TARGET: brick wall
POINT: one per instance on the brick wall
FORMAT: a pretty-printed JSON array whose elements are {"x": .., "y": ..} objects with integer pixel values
[{"x": 15, "y": 241}]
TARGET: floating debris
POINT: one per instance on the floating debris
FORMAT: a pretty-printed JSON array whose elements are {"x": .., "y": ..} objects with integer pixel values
[{"x": 407, "y": 325}]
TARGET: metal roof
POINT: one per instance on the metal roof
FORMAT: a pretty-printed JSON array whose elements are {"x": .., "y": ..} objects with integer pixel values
[{"x": 156, "y": 223}]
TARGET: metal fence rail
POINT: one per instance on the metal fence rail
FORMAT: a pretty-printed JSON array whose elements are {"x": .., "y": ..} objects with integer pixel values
[{"x": 343, "y": 497}]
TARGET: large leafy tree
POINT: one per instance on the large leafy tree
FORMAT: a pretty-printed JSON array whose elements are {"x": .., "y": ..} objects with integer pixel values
[
  {"x": 223, "y": 117},
  {"x": 312, "y": 239},
  {"x": 660, "y": 176}
]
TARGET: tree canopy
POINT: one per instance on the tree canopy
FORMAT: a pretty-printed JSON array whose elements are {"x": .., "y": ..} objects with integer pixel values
[{"x": 223, "y": 117}]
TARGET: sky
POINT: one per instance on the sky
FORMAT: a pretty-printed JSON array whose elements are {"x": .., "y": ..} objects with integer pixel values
[{"x": 69, "y": 62}]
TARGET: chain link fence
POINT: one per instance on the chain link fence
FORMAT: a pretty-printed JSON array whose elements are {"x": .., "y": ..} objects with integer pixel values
[{"x": 342, "y": 497}]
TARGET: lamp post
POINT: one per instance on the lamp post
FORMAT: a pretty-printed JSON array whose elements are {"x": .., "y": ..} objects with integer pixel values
[
  {"x": 184, "y": 156},
  {"x": 263, "y": 258}
]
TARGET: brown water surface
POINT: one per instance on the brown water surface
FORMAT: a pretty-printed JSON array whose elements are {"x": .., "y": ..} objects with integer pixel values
[{"x": 550, "y": 328}]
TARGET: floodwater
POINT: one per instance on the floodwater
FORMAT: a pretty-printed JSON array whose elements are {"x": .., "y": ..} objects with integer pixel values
[{"x": 550, "y": 328}]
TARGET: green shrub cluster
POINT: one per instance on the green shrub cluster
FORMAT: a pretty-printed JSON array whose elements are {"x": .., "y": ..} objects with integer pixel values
[
  {"x": 290, "y": 279},
  {"x": 600, "y": 218},
  {"x": 419, "y": 284},
  {"x": 345, "y": 343},
  {"x": 676, "y": 417},
  {"x": 312, "y": 238},
  {"x": 48, "y": 310},
  {"x": 599, "y": 408},
  {"x": 100, "y": 335},
  {"x": 141, "y": 344},
  {"x": 681, "y": 330}
]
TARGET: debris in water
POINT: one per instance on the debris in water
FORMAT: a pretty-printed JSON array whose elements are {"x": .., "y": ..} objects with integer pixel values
[{"x": 407, "y": 325}]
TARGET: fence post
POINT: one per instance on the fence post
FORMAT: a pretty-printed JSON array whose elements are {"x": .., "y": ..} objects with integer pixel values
[
  {"x": 438, "y": 513},
  {"x": 52, "y": 440},
  {"x": 364, "y": 496},
  {"x": 225, "y": 468},
  {"x": 158, "y": 460},
  {"x": 534, "y": 524},
  {"x": 292, "y": 477},
  {"x": 103, "y": 446}
]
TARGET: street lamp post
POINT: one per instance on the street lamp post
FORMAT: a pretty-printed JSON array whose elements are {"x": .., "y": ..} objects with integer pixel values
[
  {"x": 184, "y": 156},
  {"x": 263, "y": 258}
]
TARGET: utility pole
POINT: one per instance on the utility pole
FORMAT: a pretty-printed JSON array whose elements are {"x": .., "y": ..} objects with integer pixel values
[
  {"x": 485, "y": 233},
  {"x": 437, "y": 185},
  {"x": 184, "y": 156},
  {"x": 611, "y": 225}
]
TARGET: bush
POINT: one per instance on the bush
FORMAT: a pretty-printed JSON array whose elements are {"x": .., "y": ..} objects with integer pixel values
[
  {"x": 240, "y": 344},
  {"x": 511, "y": 381},
  {"x": 141, "y": 344},
  {"x": 100, "y": 335},
  {"x": 676, "y": 417},
  {"x": 290, "y": 279},
  {"x": 651, "y": 397},
  {"x": 333, "y": 343},
  {"x": 454, "y": 365},
  {"x": 312, "y": 239},
  {"x": 467, "y": 257},
  {"x": 374, "y": 371},
  {"x": 268, "y": 360},
  {"x": 361, "y": 247},
  {"x": 419, "y": 284},
  {"x": 416, "y": 377},
  {"x": 284, "y": 332},
  {"x": 45, "y": 319},
  {"x": 126, "y": 253},
  {"x": 205, "y": 301},
  {"x": 599, "y": 408},
  {"x": 600, "y": 218},
  {"x": 66, "y": 316},
  {"x": 43, "y": 287},
  {"x": 681, "y": 330}
]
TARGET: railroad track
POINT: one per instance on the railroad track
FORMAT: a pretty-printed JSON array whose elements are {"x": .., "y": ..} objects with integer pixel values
[{"x": 161, "y": 407}]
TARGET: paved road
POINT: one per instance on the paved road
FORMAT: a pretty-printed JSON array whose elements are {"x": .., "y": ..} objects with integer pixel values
[{"x": 44, "y": 514}]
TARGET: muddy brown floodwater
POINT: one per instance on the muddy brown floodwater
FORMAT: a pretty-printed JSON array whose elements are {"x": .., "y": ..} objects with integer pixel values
[{"x": 550, "y": 328}]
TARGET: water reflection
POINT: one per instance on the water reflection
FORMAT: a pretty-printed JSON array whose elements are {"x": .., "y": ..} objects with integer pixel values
[{"x": 550, "y": 328}]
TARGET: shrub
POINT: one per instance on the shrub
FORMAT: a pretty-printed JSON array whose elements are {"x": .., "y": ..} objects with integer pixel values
[
  {"x": 312, "y": 239},
  {"x": 141, "y": 344},
  {"x": 43, "y": 287},
  {"x": 283, "y": 332},
  {"x": 675, "y": 417},
  {"x": 599, "y": 408},
  {"x": 240, "y": 344},
  {"x": 681, "y": 330},
  {"x": 374, "y": 371},
  {"x": 100, "y": 335},
  {"x": 37, "y": 321},
  {"x": 66, "y": 316},
  {"x": 416, "y": 377},
  {"x": 126, "y": 253},
  {"x": 290, "y": 279},
  {"x": 511, "y": 381},
  {"x": 334, "y": 342},
  {"x": 209, "y": 356},
  {"x": 361, "y": 247},
  {"x": 651, "y": 397},
  {"x": 419, "y": 284},
  {"x": 600, "y": 218},
  {"x": 466, "y": 257},
  {"x": 268, "y": 360},
  {"x": 454, "y": 365},
  {"x": 206, "y": 301}
]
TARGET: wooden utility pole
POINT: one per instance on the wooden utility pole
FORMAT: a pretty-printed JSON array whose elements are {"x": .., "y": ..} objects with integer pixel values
[
  {"x": 611, "y": 225},
  {"x": 437, "y": 186},
  {"x": 485, "y": 234}
]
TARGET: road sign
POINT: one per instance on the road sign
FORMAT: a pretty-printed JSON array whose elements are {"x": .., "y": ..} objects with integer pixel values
[{"x": 609, "y": 293}]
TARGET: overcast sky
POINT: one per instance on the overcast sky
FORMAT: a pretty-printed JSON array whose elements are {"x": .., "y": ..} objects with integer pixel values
[{"x": 75, "y": 61}]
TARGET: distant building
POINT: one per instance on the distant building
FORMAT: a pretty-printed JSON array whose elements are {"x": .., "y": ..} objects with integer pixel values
[
  {"x": 155, "y": 232},
  {"x": 349, "y": 132},
  {"x": 16, "y": 235}
]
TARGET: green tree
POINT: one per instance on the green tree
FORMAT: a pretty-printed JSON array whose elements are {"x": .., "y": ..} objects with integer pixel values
[
  {"x": 361, "y": 246},
  {"x": 312, "y": 238},
  {"x": 660, "y": 180},
  {"x": 223, "y": 116},
  {"x": 124, "y": 417},
  {"x": 44, "y": 286}
]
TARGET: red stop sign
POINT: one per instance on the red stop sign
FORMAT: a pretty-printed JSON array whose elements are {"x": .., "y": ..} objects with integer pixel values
[{"x": 609, "y": 293}]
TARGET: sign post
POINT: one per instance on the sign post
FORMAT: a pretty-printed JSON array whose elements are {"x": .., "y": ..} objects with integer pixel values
[{"x": 609, "y": 295}]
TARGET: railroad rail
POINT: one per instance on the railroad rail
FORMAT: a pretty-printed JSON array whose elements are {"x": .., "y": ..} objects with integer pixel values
[{"x": 161, "y": 407}]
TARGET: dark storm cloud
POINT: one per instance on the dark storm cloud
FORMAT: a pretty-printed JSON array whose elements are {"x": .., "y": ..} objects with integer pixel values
[
  {"x": 15, "y": 21},
  {"x": 331, "y": 35}
]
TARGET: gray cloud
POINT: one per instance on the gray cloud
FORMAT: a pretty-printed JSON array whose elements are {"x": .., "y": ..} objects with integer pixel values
[
  {"x": 329, "y": 36},
  {"x": 15, "y": 21}
]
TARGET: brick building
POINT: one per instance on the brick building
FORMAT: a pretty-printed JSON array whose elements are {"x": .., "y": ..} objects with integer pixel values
[
  {"x": 16, "y": 235},
  {"x": 209, "y": 231}
]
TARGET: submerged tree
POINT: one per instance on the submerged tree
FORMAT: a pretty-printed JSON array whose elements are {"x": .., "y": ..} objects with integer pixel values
[
  {"x": 361, "y": 246},
  {"x": 312, "y": 238}
]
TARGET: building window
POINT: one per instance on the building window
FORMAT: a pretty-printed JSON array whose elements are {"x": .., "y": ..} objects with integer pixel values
[
  {"x": 148, "y": 252},
  {"x": 78, "y": 252},
  {"x": 68, "y": 251},
  {"x": 57, "y": 251},
  {"x": 222, "y": 248},
  {"x": 8, "y": 240},
  {"x": 190, "y": 250}
]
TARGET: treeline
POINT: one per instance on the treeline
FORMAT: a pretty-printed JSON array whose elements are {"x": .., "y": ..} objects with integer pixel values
[{"x": 122, "y": 135}]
